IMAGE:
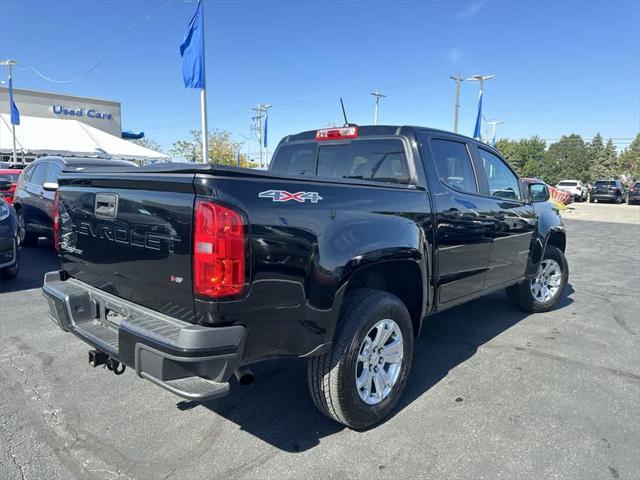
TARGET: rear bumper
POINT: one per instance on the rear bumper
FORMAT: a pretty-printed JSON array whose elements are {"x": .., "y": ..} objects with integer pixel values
[
  {"x": 192, "y": 361},
  {"x": 605, "y": 196}
]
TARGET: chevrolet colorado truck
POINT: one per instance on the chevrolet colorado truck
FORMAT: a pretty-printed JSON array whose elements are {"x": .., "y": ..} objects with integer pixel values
[{"x": 189, "y": 273}]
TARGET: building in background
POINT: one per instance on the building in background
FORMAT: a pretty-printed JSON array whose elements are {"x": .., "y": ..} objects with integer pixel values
[{"x": 43, "y": 114}]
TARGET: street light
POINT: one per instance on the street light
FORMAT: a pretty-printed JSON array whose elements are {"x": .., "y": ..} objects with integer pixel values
[
  {"x": 481, "y": 79},
  {"x": 458, "y": 79}
]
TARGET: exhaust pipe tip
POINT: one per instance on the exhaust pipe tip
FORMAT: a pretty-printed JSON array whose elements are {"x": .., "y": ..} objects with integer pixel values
[{"x": 245, "y": 376}]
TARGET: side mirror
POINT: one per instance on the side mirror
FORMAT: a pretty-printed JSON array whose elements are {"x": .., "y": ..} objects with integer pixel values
[
  {"x": 5, "y": 185},
  {"x": 50, "y": 186},
  {"x": 538, "y": 192}
]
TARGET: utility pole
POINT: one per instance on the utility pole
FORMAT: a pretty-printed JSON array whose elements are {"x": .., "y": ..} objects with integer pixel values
[
  {"x": 9, "y": 64},
  {"x": 262, "y": 112},
  {"x": 265, "y": 138},
  {"x": 458, "y": 79},
  {"x": 378, "y": 95},
  {"x": 481, "y": 79}
]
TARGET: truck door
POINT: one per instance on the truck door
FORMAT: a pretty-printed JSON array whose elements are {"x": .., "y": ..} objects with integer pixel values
[
  {"x": 464, "y": 218},
  {"x": 515, "y": 219}
]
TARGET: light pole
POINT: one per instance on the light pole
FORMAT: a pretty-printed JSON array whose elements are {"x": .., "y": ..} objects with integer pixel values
[
  {"x": 493, "y": 124},
  {"x": 481, "y": 79},
  {"x": 378, "y": 95},
  {"x": 265, "y": 109},
  {"x": 9, "y": 64},
  {"x": 458, "y": 79}
]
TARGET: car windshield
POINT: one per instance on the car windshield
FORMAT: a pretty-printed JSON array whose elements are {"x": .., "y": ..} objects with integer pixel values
[{"x": 10, "y": 177}]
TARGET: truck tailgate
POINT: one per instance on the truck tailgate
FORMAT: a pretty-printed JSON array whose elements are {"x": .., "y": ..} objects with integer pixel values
[{"x": 129, "y": 234}]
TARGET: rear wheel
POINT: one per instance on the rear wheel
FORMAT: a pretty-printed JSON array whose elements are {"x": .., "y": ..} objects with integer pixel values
[
  {"x": 359, "y": 381},
  {"x": 543, "y": 292},
  {"x": 25, "y": 237}
]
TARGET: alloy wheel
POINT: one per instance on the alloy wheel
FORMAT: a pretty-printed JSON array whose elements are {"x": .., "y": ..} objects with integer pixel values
[{"x": 546, "y": 284}]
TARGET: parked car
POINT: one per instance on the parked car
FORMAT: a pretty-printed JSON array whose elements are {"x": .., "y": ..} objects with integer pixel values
[
  {"x": 576, "y": 188},
  {"x": 9, "y": 243},
  {"x": 35, "y": 192},
  {"x": 633, "y": 196},
  {"x": 336, "y": 254},
  {"x": 609, "y": 190},
  {"x": 10, "y": 175}
]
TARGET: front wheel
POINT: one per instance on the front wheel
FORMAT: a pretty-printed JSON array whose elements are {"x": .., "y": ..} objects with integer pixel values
[
  {"x": 359, "y": 381},
  {"x": 543, "y": 292}
]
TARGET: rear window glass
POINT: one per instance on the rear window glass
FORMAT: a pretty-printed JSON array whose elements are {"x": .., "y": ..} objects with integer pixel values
[
  {"x": 381, "y": 160},
  {"x": 295, "y": 159},
  {"x": 568, "y": 184},
  {"x": 10, "y": 177},
  {"x": 604, "y": 182}
]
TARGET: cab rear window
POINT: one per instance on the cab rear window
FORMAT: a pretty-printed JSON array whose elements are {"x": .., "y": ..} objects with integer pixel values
[{"x": 378, "y": 160}]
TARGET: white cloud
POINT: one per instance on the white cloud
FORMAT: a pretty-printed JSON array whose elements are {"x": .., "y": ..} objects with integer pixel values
[{"x": 471, "y": 9}]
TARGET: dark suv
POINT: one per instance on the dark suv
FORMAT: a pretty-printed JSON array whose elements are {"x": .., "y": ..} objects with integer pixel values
[
  {"x": 33, "y": 198},
  {"x": 609, "y": 190}
]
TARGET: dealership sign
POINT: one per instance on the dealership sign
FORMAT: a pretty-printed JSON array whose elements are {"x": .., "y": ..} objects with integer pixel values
[{"x": 80, "y": 112}]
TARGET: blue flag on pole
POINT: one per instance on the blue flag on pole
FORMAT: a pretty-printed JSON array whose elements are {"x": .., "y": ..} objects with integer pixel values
[
  {"x": 476, "y": 131},
  {"x": 192, "y": 51},
  {"x": 15, "y": 114},
  {"x": 265, "y": 131}
]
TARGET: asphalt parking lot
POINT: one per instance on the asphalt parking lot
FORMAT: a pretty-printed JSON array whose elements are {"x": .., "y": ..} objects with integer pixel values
[{"x": 494, "y": 393}]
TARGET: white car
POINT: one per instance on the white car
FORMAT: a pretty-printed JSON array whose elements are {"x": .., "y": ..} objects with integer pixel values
[{"x": 575, "y": 188}]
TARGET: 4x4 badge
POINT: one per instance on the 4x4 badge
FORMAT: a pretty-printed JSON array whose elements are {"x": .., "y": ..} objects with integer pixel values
[{"x": 284, "y": 196}]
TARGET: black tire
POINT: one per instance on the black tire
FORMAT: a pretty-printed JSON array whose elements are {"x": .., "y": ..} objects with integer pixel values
[
  {"x": 591, "y": 200},
  {"x": 332, "y": 376},
  {"x": 27, "y": 238},
  {"x": 520, "y": 295}
]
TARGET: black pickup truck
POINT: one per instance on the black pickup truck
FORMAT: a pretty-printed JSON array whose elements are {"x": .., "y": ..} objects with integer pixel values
[{"x": 190, "y": 273}]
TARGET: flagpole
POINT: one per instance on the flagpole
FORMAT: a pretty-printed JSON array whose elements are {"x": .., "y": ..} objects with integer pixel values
[
  {"x": 10, "y": 64},
  {"x": 203, "y": 98}
]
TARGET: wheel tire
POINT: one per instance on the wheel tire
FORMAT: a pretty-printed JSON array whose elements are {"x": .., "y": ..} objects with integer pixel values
[
  {"x": 332, "y": 376},
  {"x": 27, "y": 238},
  {"x": 521, "y": 295},
  {"x": 591, "y": 200}
]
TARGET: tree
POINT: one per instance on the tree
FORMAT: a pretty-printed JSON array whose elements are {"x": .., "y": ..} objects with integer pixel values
[
  {"x": 524, "y": 155},
  {"x": 567, "y": 158},
  {"x": 222, "y": 149},
  {"x": 148, "y": 143},
  {"x": 605, "y": 166},
  {"x": 629, "y": 160}
]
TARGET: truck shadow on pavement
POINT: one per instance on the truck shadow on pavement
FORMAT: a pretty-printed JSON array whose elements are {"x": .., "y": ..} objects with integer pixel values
[
  {"x": 34, "y": 263},
  {"x": 278, "y": 409}
]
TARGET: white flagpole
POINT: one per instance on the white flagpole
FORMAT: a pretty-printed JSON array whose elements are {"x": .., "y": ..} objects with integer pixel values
[
  {"x": 203, "y": 98},
  {"x": 10, "y": 64}
]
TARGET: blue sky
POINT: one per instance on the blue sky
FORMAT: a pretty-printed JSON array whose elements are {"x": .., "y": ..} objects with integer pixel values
[{"x": 561, "y": 67}]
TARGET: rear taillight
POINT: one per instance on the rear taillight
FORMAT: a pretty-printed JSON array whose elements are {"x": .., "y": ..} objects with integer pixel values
[
  {"x": 56, "y": 222},
  {"x": 218, "y": 250}
]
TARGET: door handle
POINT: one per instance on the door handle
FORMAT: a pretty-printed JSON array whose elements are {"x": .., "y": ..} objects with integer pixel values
[{"x": 452, "y": 213}]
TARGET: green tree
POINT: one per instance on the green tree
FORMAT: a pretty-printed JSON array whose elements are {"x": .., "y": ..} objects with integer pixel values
[
  {"x": 525, "y": 155},
  {"x": 567, "y": 158},
  {"x": 148, "y": 143},
  {"x": 221, "y": 149},
  {"x": 605, "y": 166},
  {"x": 629, "y": 160}
]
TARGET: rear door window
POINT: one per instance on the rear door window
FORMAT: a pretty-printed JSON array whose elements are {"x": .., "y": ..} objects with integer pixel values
[{"x": 453, "y": 164}]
